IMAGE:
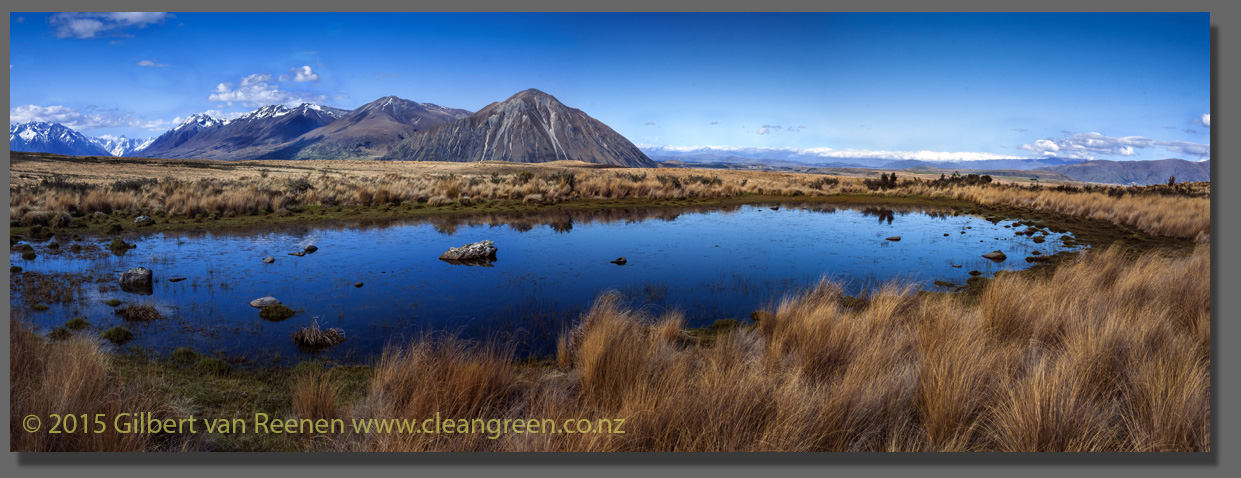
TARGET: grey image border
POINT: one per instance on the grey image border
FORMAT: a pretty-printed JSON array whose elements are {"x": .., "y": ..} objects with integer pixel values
[{"x": 1214, "y": 463}]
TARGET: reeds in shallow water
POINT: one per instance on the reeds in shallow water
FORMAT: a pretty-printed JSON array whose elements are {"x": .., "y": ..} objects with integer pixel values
[{"x": 314, "y": 338}]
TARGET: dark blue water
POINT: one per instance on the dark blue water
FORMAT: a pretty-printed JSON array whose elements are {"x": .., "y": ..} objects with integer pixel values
[{"x": 711, "y": 264}]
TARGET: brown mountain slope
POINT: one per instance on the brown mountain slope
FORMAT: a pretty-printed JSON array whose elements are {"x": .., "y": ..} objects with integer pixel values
[
  {"x": 372, "y": 129},
  {"x": 529, "y": 127}
]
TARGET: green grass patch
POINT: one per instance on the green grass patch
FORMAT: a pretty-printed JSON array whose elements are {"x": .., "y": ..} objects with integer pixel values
[
  {"x": 40, "y": 307},
  {"x": 184, "y": 356},
  {"x": 114, "y": 302},
  {"x": 276, "y": 312},
  {"x": 118, "y": 335},
  {"x": 77, "y": 323},
  {"x": 213, "y": 366},
  {"x": 59, "y": 333}
]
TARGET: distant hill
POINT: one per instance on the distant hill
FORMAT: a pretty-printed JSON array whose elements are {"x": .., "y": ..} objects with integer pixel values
[
  {"x": 529, "y": 127},
  {"x": 1141, "y": 173},
  {"x": 1008, "y": 164},
  {"x": 42, "y": 137},
  {"x": 794, "y": 158}
]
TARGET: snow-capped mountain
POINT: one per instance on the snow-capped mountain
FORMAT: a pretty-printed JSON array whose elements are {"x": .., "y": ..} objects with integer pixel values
[
  {"x": 167, "y": 143},
  {"x": 53, "y": 138},
  {"x": 120, "y": 145},
  {"x": 261, "y": 133}
]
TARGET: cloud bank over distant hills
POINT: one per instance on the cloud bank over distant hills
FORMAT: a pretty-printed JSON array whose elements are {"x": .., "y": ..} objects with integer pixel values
[
  {"x": 1092, "y": 145},
  {"x": 824, "y": 153}
]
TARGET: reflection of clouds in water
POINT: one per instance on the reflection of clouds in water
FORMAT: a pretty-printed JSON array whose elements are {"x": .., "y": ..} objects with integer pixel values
[{"x": 709, "y": 262}]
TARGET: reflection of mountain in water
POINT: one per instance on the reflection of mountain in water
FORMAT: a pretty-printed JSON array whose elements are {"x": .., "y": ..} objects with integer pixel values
[{"x": 563, "y": 221}]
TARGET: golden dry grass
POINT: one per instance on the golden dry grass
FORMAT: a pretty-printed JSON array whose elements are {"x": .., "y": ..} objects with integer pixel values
[
  {"x": 1109, "y": 353},
  {"x": 71, "y": 377},
  {"x": 51, "y": 192}
]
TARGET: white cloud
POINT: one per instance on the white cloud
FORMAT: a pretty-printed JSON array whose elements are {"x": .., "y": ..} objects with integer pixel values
[
  {"x": 223, "y": 115},
  {"x": 89, "y": 117},
  {"x": 258, "y": 90},
  {"x": 85, "y": 25},
  {"x": 1090, "y": 145},
  {"x": 152, "y": 63},
  {"x": 303, "y": 75},
  {"x": 826, "y": 153},
  {"x": 1206, "y": 120}
]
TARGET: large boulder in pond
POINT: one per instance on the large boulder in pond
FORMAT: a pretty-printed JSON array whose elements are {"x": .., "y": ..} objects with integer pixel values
[
  {"x": 997, "y": 256},
  {"x": 311, "y": 249},
  {"x": 141, "y": 221},
  {"x": 261, "y": 302},
  {"x": 138, "y": 280},
  {"x": 480, "y": 252}
]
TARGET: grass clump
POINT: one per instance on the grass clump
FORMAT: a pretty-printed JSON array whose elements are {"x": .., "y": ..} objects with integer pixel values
[
  {"x": 114, "y": 302},
  {"x": 73, "y": 374},
  {"x": 276, "y": 312},
  {"x": 315, "y": 338},
  {"x": 77, "y": 323},
  {"x": 30, "y": 256},
  {"x": 15, "y": 269},
  {"x": 213, "y": 366},
  {"x": 184, "y": 355},
  {"x": 119, "y": 245},
  {"x": 59, "y": 333},
  {"x": 40, "y": 307},
  {"x": 139, "y": 312},
  {"x": 118, "y": 335}
]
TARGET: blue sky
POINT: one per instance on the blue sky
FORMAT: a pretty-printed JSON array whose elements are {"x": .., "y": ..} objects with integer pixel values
[{"x": 1103, "y": 86}]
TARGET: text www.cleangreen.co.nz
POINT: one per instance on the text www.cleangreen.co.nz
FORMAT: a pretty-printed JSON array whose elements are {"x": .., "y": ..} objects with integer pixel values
[{"x": 492, "y": 427}]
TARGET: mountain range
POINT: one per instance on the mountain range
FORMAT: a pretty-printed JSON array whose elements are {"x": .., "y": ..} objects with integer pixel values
[
  {"x": 53, "y": 138},
  {"x": 530, "y": 126}
]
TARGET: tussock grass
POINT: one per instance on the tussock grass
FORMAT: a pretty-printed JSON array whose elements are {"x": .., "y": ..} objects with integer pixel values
[
  {"x": 1182, "y": 211},
  {"x": 71, "y": 376},
  {"x": 314, "y": 338},
  {"x": 139, "y": 312},
  {"x": 1108, "y": 353}
]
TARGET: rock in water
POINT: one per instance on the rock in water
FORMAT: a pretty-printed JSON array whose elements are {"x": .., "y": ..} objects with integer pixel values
[
  {"x": 143, "y": 221},
  {"x": 311, "y": 249},
  {"x": 620, "y": 261},
  {"x": 474, "y": 252},
  {"x": 269, "y": 260},
  {"x": 894, "y": 238},
  {"x": 176, "y": 279},
  {"x": 261, "y": 302},
  {"x": 298, "y": 253},
  {"x": 137, "y": 280},
  {"x": 357, "y": 284},
  {"x": 997, "y": 256}
]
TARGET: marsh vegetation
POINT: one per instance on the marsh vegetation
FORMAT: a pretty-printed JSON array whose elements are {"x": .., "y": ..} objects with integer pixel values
[{"x": 1108, "y": 349}]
